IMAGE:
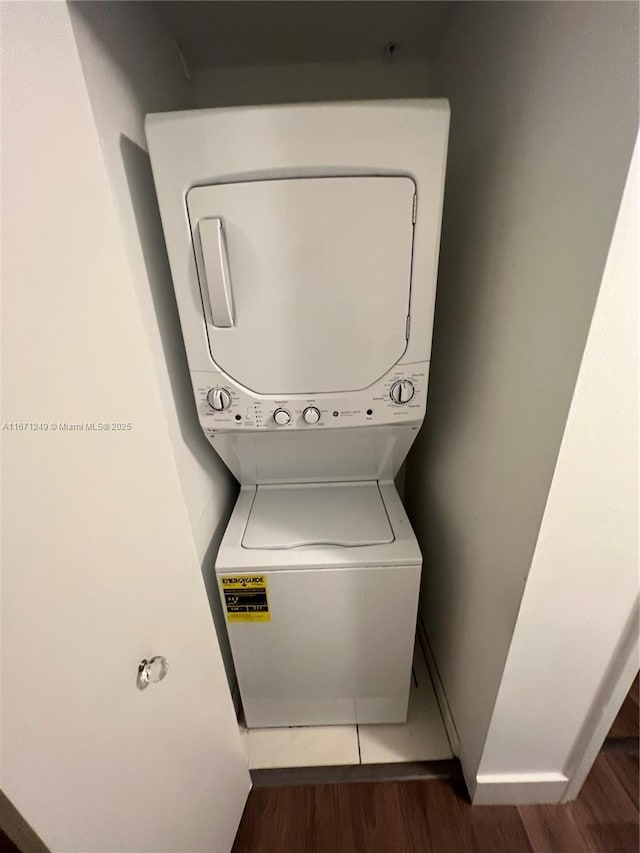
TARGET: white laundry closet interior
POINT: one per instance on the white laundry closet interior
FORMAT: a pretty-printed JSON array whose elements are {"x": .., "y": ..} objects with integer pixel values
[{"x": 346, "y": 107}]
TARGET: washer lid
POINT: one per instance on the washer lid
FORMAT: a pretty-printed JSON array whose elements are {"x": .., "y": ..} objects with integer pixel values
[
  {"x": 292, "y": 516},
  {"x": 305, "y": 282}
]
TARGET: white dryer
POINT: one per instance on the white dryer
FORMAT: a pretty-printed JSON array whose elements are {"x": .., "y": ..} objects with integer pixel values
[{"x": 303, "y": 243}]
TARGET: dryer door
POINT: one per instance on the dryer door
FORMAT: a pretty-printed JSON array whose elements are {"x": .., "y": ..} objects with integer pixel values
[{"x": 305, "y": 282}]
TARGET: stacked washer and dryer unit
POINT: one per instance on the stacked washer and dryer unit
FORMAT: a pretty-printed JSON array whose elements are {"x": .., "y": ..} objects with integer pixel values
[{"x": 303, "y": 242}]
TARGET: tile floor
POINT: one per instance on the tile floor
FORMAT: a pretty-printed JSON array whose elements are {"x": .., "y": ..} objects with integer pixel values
[{"x": 421, "y": 738}]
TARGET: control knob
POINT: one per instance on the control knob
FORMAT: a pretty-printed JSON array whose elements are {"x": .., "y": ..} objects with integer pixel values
[
  {"x": 281, "y": 417},
  {"x": 219, "y": 399},
  {"x": 402, "y": 391},
  {"x": 311, "y": 415}
]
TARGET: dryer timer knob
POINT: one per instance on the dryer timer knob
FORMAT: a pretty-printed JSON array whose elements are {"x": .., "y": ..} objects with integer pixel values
[
  {"x": 311, "y": 415},
  {"x": 402, "y": 391},
  {"x": 219, "y": 399}
]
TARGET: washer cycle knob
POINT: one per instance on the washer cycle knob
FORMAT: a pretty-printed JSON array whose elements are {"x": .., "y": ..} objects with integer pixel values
[
  {"x": 219, "y": 399},
  {"x": 281, "y": 417},
  {"x": 311, "y": 415},
  {"x": 402, "y": 391}
]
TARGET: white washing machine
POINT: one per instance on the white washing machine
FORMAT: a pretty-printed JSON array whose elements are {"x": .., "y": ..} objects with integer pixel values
[
  {"x": 303, "y": 243},
  {"x": 320, "y": 585}
]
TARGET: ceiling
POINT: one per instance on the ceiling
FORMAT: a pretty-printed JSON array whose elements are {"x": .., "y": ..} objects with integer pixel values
[{"x": 243, "y": 32}]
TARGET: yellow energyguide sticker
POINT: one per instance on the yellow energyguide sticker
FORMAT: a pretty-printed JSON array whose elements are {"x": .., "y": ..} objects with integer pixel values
[{"x": 246, "y": 598}]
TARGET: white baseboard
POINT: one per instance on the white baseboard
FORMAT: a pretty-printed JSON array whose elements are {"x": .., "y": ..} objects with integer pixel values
[
  {"x": 517, "y": 789},
  {"x": 441, "y": 696}
]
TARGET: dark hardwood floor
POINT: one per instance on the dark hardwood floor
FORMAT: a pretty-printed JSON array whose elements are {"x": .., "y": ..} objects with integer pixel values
[{"x": 435, "y": 816}]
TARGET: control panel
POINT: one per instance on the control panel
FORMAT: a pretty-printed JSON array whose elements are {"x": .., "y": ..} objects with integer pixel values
[{"x": 225, "y": 406}]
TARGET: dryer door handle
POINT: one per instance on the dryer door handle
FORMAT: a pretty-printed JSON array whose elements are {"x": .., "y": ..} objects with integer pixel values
[{"x": 213, "y": 269}]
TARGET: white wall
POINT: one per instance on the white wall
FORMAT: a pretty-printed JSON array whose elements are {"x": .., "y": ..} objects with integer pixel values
[
  {"x": 582, "y": 589},
  {"x": 543, "y": 117},
  {"x": 311, "y": 81},
  {"x": 131, "y": 67},
  {"x": 99, "y": 567}
]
